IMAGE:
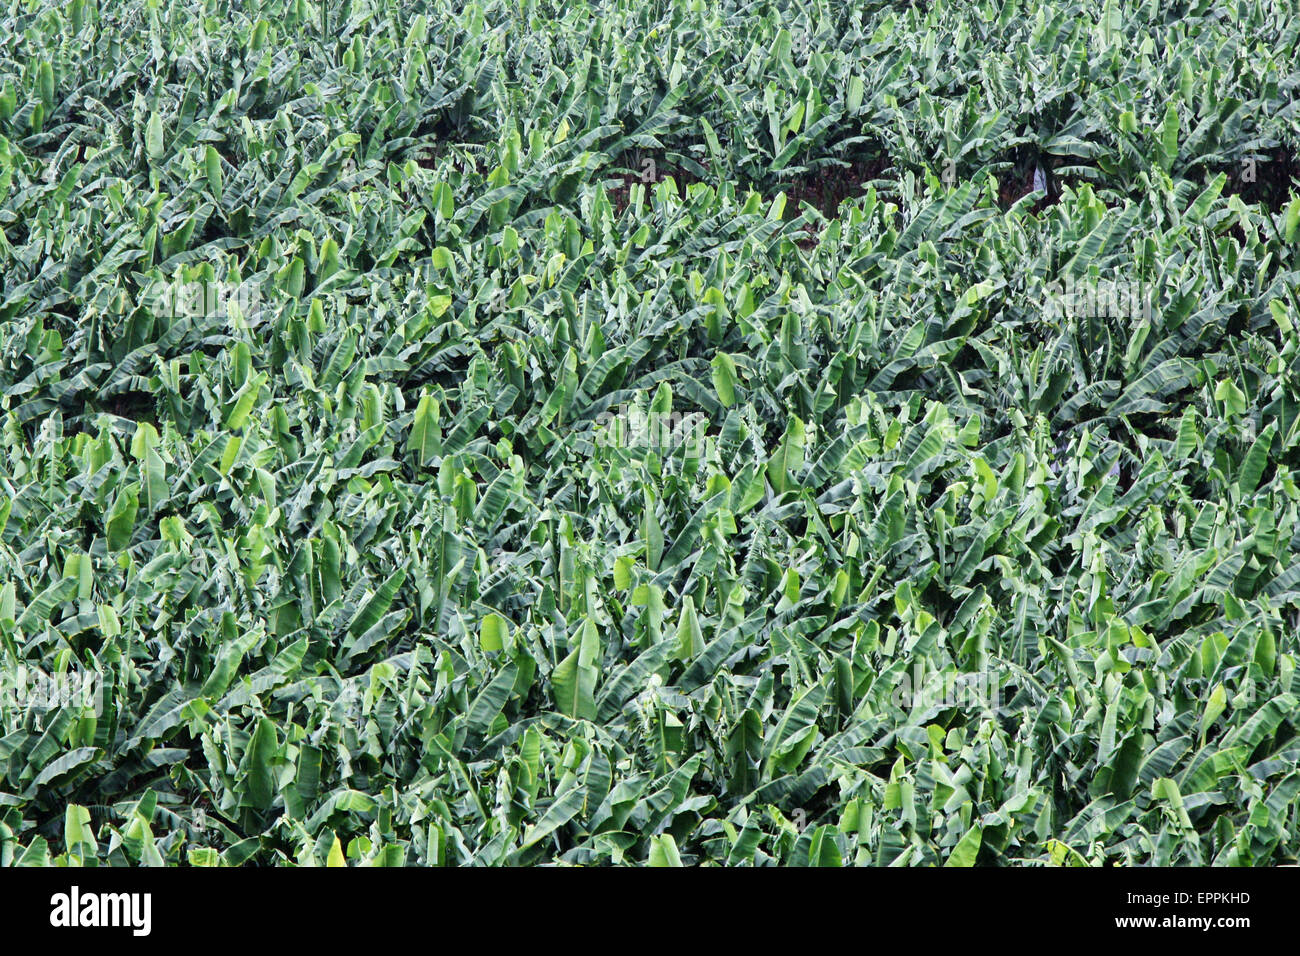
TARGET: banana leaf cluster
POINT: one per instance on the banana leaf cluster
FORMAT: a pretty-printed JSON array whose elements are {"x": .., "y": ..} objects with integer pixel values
[{"x": 337, "y": 521}]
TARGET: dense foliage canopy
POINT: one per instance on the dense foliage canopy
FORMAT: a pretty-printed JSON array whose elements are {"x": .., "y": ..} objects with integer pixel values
[{"x": 628, "y": 431}]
